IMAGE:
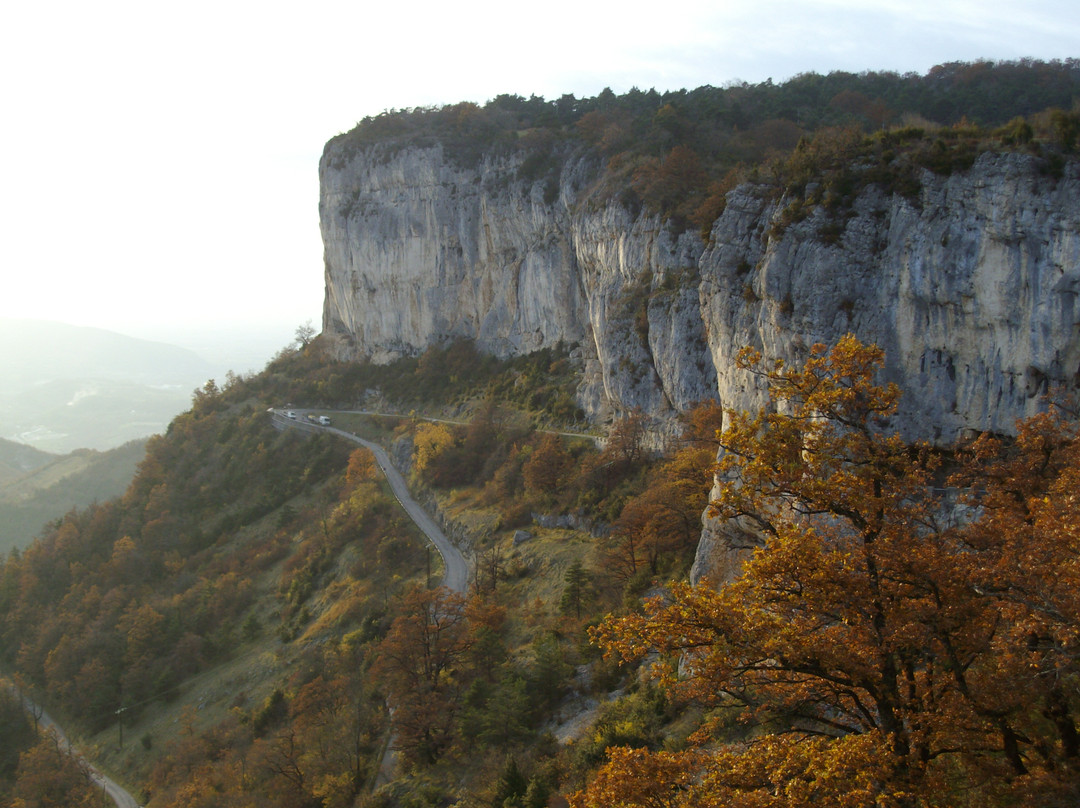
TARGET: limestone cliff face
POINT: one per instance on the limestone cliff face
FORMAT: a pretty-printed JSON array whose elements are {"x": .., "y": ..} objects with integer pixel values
[
  {"x": 971, "y": 288},
  {"x": 419, "y": 251}
]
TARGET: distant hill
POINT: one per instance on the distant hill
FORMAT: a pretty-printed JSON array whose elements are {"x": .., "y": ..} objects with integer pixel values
[
  {"x": 259, "y": 606},
  {"x": 17, "y": 459},
  {"x": 52, "y": 485},
  {"x": 39, "y": 351},
  {"x": 68, "y": 387}
]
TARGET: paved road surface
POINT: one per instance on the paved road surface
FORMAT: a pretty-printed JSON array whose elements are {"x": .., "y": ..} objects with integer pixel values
[
  {"x": 596, "y": 440},
  {"x": 456, "y": 571},
  {"x": 456, "y": 575}
]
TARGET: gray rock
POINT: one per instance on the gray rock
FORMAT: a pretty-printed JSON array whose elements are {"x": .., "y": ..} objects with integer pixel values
[{"x": 971, "y": 289}]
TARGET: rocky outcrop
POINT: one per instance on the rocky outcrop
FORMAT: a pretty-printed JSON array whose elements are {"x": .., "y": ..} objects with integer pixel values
[
  {"x": 971, "y": 286},
  {"x": 419, "y": 251},
  {"x": 971, "y": 290}
]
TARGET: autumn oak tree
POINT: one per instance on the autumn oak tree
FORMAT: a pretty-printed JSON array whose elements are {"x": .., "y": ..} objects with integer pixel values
[
  {"x": 886, "y": 645},
  {"x": 664, "y": 519},
  {"x": 418, "y": 662}
]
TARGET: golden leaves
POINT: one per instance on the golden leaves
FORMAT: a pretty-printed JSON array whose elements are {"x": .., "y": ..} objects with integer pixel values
[
  {"x": 908, "y": 657},
  {"x": 850, "y": 772}
]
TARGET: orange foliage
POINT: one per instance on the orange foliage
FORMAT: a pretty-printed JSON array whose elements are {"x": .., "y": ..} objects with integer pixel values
[
  {"x": 361, "y": 467},
  {"x": 47, "y": 777},
  {"x": 547, "y": 467},
  {"x": 768, "y": 773},
  {"x": 418, "y": 662},
  {"x": 674, "y": 184},
  {"x": 665, "y": 517},
  {"x": 872, "y": 611}
]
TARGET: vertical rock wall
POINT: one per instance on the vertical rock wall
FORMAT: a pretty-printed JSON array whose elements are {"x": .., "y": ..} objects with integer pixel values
[{"x": 971, "y": 288}]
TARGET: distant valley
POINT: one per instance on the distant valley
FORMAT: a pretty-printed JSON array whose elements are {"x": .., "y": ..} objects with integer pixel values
[
  {"x": 67, "y": 387},
  {"x": 726, "y": 450},
  {"x": 77, "y": 404}
]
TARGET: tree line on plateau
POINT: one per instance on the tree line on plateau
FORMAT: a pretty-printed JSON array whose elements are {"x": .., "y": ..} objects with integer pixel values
[{"x": 678, "y": 153}]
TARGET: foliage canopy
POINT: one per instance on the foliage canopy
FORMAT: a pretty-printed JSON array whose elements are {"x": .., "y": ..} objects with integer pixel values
[
  {"x": 882, "y": 650},
  {"x": 678, "y": 153}
]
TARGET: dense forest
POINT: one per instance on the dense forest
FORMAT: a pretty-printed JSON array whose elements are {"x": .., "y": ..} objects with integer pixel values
[
  {"x": 678, "y": 153},
  {"x": 29, "y": 499},
  {"x": 257, "y": 621},
  {"x": 34, "y": 769},
  {"x": 236, "y": 541},
  {"x": 266, "y": 622}
]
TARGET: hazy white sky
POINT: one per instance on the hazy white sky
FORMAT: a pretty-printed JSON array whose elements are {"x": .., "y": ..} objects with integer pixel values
[{"x": 158, "y": 160}]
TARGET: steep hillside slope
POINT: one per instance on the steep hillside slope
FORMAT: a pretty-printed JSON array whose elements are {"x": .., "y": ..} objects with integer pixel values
[
  {"x": 16, "y": 459},
  {"x": 259, "y": 595},
  {"x": 254, "y": 621}
]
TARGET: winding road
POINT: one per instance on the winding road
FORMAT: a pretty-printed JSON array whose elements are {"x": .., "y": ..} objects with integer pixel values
[
  {"x": 456, "y": 570},
  {"x": 45, "y": 723},
  {"x": 455, "y": 577}
]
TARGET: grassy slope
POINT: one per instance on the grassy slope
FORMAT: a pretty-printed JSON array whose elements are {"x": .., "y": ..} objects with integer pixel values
[
  {"x": 254, "y": 668},
  {"x": 531, "y": 590},
  {"x": 223, "y": 493}
]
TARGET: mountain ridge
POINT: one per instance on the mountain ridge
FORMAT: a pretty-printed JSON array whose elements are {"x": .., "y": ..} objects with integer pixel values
[
  {"x": 57, "y": 484},
  {"x": 71, "y": 351},
  {"x": 255, "y": 613}
]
